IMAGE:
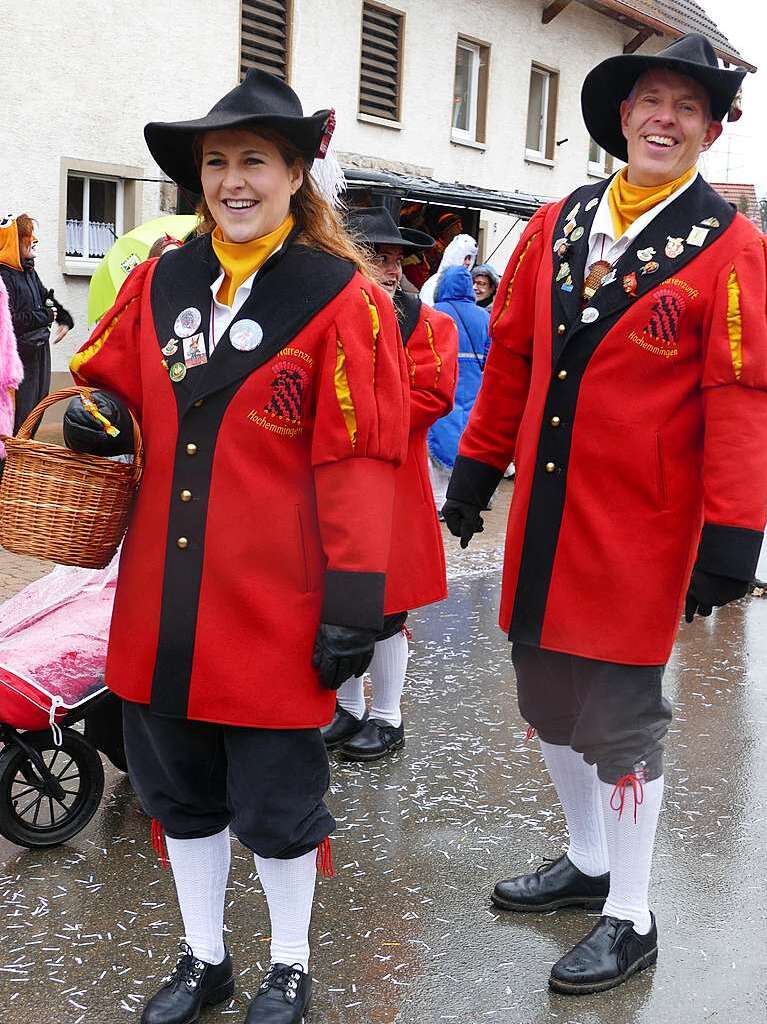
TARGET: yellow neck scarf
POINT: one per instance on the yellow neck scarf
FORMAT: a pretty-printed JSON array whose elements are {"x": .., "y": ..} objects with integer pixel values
[
  {"x": 627, "y": 202},
  {"x": 241, "y": 259}
]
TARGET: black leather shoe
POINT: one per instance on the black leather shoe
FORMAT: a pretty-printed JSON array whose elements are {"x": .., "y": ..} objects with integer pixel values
[
  {"x": 376, "y": 739},
  {"x": 191, "y": 985},
  {"x": 608, "y": 956},
  {"x": 555, "y": 884},
  {"x": 283, "y": 996},
  {"x": 342, "y": 728}
]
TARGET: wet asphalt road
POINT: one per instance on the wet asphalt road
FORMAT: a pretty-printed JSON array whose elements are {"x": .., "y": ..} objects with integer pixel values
[{"x": 405, "y": 932}]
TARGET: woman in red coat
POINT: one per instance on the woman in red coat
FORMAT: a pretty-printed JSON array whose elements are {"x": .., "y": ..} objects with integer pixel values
[
  {"x": 416, "y": 570},
  {"x": 271, "y": 387}
]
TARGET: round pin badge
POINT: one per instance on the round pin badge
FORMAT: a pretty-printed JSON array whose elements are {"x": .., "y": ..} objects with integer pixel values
[
  {"x": 650, "y": 268},
  {"x": 177, "y": 372},
  {"x": 589, "y": 315},
  {"x": 171, "y": 348},
  {"x": 245, "y": 335},
  {"x": 578, "y": 233},
  {"x": 187, "y": 322}
]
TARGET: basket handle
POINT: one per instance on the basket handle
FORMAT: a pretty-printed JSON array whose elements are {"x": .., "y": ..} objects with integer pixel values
[{"x": 33, "y": 420}]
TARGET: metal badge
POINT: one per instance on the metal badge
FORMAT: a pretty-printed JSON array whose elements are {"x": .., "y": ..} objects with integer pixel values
[
  {"x": 674, "y": 247},
  {"x": 591, "y": 204},
  {"x": 589, "y": 315},
  {"x": 650, "y": 268},
  {"x": 609, "y": 277},
  {"x": 578, "y": 233},
  {"x": 567, "y": 285},
  {"x": 697, "y": 235},
  {"x": 245, "y": 335},
  {"x": 573, "y": 213},
  {"x": 569, "y": 228},
  {"x": 177, "y": 372},
  {"x": 561, "y": 246},
  {"x": 564, "y": 271},
  {"x": 710, "y": 222},
  {"x": 630, "y": 283},
  {"x": 187, "y": 322},
  {"x": 645, "y": 255},
  {"x": 171, "y": 348},
  {"x": 194, "y": 351}
]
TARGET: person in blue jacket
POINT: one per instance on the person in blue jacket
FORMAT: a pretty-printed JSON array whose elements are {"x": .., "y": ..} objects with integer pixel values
[{"x": 455, "y": 296}]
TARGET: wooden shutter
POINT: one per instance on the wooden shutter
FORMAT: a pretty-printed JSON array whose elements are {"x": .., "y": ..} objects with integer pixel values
[
  {"x": 264, "y": 36},
  {"x": 381, "y": 64}
]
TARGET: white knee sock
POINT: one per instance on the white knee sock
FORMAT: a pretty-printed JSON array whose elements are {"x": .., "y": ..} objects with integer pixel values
[
  {"x": 577, "y": 787},
  {"x": 630, "y": 847},
  {"x": 351, "y": 696},
  {"x": 289, "y": 889},
  {"x": 200, "y": 871},
  {"x": 387, "y": 673}
]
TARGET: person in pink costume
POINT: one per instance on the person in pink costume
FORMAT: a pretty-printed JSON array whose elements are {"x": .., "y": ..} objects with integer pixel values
[{"x": 11, "y": 371}]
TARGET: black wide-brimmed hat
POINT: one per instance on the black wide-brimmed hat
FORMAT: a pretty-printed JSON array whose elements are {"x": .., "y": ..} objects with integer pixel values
[
  {"x": 260, "y": 100},
  {"x": 376, "y": 226},
  {"x": 610, "y": 82}
]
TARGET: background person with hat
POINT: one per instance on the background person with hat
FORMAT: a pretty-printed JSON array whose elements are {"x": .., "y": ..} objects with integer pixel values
[
  {"x": 266, "y": 370},
  {"x": 415, "y": 574},
  {"x": 628, "y": 378}
]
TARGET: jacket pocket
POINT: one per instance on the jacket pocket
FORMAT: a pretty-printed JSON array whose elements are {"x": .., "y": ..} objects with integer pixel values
[{"x": 303, "y": 554}]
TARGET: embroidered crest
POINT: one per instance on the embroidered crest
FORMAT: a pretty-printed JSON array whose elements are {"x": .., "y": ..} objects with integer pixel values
[
  {"x": 288, "y": 390},
  {"x": 667, "y": 310}
]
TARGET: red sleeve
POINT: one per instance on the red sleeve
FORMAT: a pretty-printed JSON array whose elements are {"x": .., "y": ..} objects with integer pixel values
[
  {"x": 109, "y": 359},
  {"x": 432, "y": 361},
  {"x": 360, "y": 437},
  {"x": 734, "y": 384}
]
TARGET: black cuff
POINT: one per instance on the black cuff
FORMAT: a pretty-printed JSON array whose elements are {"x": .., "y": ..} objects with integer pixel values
[
  {"x": 354, "y": 599},
  {"x": 729, "y": 551},
  {"x": 473, "y": 482}
]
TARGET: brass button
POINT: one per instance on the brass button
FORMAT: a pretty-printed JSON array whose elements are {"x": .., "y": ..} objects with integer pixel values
[
  {"x": 562, "y": 375},
  {"x": 186, "y": 495},
  {"x": 561, "y": 329},
  {"x": 550, "y": 467},
  {"x": 182, "y": 543},
  {"x": 555, "y": 421},
  {"x": 198, "y": 403},
  {"x": 191, "y": 449}
]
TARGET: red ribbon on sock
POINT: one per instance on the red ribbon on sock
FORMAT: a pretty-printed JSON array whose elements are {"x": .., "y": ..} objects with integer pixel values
[
  {"x": 325, "y": 859},
  {"x": 530, "y": 734},
  {"x": 633, "y": 782},
  {"x": 158, "y": 842}
]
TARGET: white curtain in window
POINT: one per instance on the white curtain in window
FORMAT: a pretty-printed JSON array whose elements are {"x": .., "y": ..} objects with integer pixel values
[
  {"x": 74, "y": 238},
  {"x": 101, "y": 237}
]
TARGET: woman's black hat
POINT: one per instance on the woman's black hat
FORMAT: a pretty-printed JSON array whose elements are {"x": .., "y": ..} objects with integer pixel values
[
  {"x": 610, "y": 82},
  {"x": 376, "y": 226},
  {"x": 260, "y": 100}
]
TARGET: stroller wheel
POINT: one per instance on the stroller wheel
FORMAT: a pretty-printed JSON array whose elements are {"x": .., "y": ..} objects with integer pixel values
[{"x": 44, "y": 808}]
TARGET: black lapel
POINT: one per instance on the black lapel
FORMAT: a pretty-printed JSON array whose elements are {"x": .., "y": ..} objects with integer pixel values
[
  {"x": 688, "y": 211},
  {"x": 408, "y": 309},
  {"x": 567, "y": 303}
]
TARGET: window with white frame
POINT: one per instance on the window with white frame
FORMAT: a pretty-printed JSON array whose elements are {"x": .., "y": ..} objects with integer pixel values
[
  {"x": 470, "y": 91},
  {"x": 600, "y": 161},
  {"x": 95, "y": 214},
  {"x": 541, "y": 113}
]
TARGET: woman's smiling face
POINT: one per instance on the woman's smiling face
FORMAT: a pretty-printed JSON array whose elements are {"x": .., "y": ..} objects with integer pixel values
[{"x": 246, "y": 183}]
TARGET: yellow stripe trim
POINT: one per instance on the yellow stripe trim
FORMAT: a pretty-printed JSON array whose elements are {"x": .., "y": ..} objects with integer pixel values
[
  {"x": 81, "y": 358},
  {"x": 375, "y": 323},
  {"x": 344, "y": 394},
  {"x": 509, "y": 289},
  {"x": 734, "y": 323},
  {"x": 432, "y": 346}
]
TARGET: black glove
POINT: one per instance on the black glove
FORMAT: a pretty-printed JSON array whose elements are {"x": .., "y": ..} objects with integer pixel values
[
  {"x": 462, "y": 520},
  {"x": 85, "y": 432},
  {"x": 341, "y": 652},
  {"x": 708, "y": 591}
]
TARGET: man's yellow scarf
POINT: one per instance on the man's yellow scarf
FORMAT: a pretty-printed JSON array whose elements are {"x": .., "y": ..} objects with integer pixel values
[{"x": 627, "y": 201}]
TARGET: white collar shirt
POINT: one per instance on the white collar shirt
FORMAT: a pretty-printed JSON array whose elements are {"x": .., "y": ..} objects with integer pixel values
[{"x": 602, "y": 242}]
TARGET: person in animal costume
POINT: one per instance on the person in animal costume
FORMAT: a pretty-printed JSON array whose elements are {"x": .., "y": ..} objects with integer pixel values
[
  {"x": 265, "y": 367},
  {"x": 627, "y": 378}
]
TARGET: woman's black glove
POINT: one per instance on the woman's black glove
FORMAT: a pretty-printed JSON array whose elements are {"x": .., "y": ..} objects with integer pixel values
[
  {"x": 341, "y": 652},
  {"x": 462, "y": 520},
  {"x": 708, "y": 591},
  {"x": 99, "y": 427}
]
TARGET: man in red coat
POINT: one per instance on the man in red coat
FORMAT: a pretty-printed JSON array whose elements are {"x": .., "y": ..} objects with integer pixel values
[
  {"x": 416, "y": 570},
  {"x": 627, "y": 379}
]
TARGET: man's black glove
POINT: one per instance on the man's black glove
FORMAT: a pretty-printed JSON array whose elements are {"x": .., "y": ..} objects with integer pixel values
[
  {"x": 462, "y": 520},
  {"x": 341, "y": 652},
  {"x": 708, "y": 591},
  {"x": 104, "y": 430}
]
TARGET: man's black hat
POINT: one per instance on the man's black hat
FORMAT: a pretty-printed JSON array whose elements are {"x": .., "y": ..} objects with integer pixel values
[
  {"x": 610, "y": 82},
  {"x": 260, "y": 100},
  {"x": 376, "y": 226}
]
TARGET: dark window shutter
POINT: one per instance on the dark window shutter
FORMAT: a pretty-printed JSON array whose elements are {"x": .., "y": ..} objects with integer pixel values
[
  {"x": 264, "y": 36},
  {"x": 381, "y": 64}
]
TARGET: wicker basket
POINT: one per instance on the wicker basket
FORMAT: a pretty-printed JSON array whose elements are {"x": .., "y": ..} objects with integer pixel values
[{"x": 61, "y": 505}]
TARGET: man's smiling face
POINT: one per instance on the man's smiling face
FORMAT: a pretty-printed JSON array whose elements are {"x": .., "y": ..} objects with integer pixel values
[{"x": 666, "y": 121}]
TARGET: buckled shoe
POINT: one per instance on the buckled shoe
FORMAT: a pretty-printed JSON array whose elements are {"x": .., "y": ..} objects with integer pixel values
[
  {"x": 376, "y": 739},
  {"x": 606, "y": 957},
  {"x": 283, "y": 996},
  {"x": 191, "y": 985},
  {"x": 555, "y": 884},
  {"x": 342, "y": 728}
]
